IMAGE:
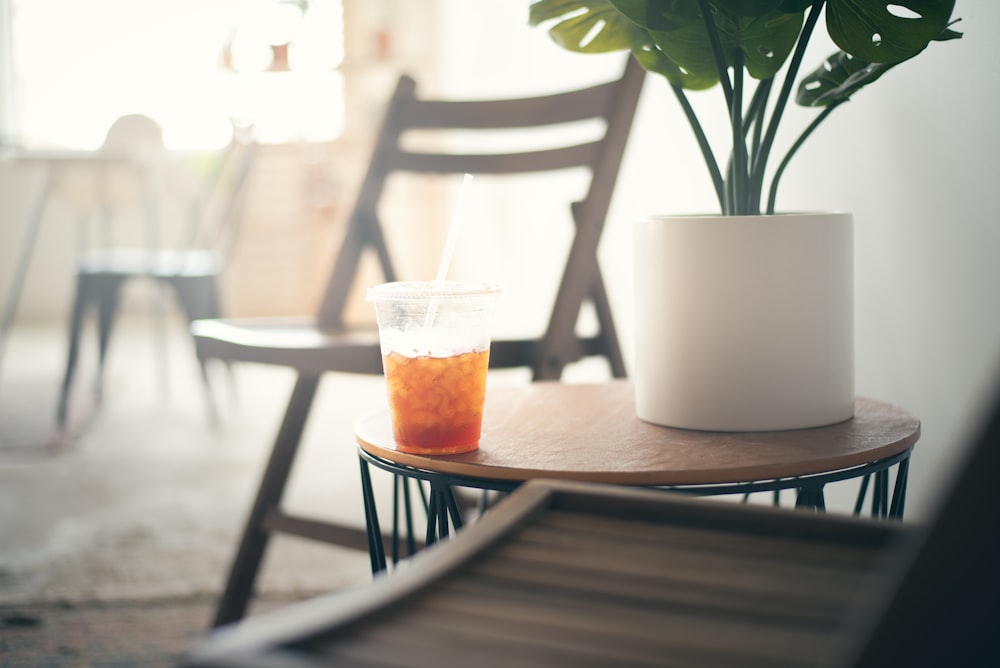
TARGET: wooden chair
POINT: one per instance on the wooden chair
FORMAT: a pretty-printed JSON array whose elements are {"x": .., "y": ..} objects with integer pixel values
[
  {"x": 191, "y": 267},
  {"x": 324, "y": 343}
]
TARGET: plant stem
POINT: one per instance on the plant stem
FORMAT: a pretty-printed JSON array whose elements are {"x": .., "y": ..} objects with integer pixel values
[
  {"x": 755, "y": 119},
  {"x": 795, "y": 147},
  {"x": 738, "y": 204},
  {"x": 706, "y": 149},
  {"x": 717, "y": 52},
  {"x": 727, "y": 209},
  {"x": 760, "y": 160}
]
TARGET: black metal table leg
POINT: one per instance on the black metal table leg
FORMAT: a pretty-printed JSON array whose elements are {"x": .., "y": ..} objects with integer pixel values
[
  {"x": 431, "y": 535},
  {"x": 453, "y": 510},
  {"x": 810, "y": 497},
  {"x": 411, "y": 541},
  {"x": 376, "y": 549},
  {"x": 899, "y": 491},
  {"x": 399, "y": 489},
  {"x": 862, "y": 492},
  {"x": 441, "y": 492},
  {"x": 880, "y": 494},
  {"x": 402, "y": 506},
  {"x": 883, "y": 505},
  {"x": 442, "y": 513}
]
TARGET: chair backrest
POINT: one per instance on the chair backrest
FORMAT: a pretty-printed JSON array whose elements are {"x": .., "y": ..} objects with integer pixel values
[
  {"x": 123, "y": 178},
  {"x": 218, "y": 203},
  {"x": 132, "y": 134},
  {"x": 612, "y": 103},
  {"x": 134, "y": 173}
]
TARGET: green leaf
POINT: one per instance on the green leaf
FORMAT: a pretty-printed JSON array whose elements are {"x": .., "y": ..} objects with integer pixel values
[
  {"x": 766, "y": 41},
  {"x": 795, "y": 6},
  {"x": 947, "y": 35},
  {"x": 689, "y": 47},
  {"x": 840, "y": 76},
  {"x": 748, "y": 7},
  {"x": 659, "y": 14},
  {"x": 595, "y": 26},
  {"x": 654, "y": 60},
  {"x": 586, "y": 26},
  {"x": 886, "y": 31}
]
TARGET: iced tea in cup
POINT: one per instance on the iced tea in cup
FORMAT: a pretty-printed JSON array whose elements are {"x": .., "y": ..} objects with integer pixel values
[{"x": 435, "y": 341}]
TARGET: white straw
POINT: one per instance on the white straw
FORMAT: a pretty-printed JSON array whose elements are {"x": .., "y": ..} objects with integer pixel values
[
  {"x": 449, "y": 246},
  {"x": 456, "y": 221}
]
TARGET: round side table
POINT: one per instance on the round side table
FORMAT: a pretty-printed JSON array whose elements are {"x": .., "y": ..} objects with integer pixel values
[{"x": 590, "y": 433}]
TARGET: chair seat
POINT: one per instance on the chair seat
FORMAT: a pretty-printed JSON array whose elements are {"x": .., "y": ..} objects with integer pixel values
[
  {"x": 154, "y": 264},
  {"x": 295, "y": 342}
]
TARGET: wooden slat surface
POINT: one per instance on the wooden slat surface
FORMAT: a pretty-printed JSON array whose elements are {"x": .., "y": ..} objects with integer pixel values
[
  {"x": 582, "y": 575},
  {"x": 568, "y": 590},
  {"x": 589, "y": 432}
]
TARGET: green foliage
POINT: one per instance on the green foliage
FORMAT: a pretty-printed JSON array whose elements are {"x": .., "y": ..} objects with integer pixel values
[{"x": 696, "y": 44}]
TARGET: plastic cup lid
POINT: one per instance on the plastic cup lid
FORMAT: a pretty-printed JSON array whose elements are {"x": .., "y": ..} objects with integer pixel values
[{"x": 416, "y": 291}]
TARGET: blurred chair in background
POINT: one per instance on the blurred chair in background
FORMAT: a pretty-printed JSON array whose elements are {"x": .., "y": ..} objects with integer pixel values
[
  {"x": 324, "y": 343},
  {"x": 190, "y": 267}
]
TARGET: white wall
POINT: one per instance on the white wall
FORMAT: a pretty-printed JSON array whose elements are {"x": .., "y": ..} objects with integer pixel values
[
  {"x": 911, "y": 157},
  {"x": 48, "y": 284}
]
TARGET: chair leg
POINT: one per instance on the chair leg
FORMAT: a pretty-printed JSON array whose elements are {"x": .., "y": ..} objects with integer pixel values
[
  {"x": 103, "y": 291},
  {"x": 75, "y": 325},
  {"x": 199, "y": 298},
  {"x": 239, "y": 585},
  {"x": 162, "y": 354},
  {"x": 108, "y": 288}
]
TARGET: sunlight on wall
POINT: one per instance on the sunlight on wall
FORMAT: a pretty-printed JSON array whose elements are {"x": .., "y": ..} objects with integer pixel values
[{"x": 190, "y": 64}]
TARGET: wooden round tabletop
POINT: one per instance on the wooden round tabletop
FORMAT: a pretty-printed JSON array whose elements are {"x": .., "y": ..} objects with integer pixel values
[{"x": 590, "y": 433}]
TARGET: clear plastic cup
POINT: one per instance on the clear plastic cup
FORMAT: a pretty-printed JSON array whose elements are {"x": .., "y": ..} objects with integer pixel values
[{"x": 435, "y": 340}]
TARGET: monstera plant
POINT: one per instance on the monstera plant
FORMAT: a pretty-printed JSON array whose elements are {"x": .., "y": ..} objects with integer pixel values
[
  {"x": 746, "y": 318},
  {"x": 697, "y": 44}
]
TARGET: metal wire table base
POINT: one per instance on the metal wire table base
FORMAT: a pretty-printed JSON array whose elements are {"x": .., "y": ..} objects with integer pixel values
[{"x": 444, "y": 514}]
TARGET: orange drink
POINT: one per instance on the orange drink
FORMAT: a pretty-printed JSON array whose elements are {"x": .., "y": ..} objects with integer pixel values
[
  {"x": 437, "y": 402},
  {"x": 435, "y": 344}
]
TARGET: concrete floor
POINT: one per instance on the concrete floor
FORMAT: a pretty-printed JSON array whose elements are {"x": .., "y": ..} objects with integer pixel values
[{"x": 115, "y": 537}]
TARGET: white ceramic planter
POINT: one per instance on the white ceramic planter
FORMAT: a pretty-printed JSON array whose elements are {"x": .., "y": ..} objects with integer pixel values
[{"x": 745, "y": 323}]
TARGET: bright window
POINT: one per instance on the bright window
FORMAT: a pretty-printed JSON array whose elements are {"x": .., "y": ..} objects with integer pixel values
[{"x": 193, "y": 65}]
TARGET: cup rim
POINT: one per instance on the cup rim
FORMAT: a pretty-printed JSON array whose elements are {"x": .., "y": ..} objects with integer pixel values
[{"x": 415, "y": 291}]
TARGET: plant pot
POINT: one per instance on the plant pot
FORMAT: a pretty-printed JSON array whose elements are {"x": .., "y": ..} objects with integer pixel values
[{"x": 745, "y": 323}]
